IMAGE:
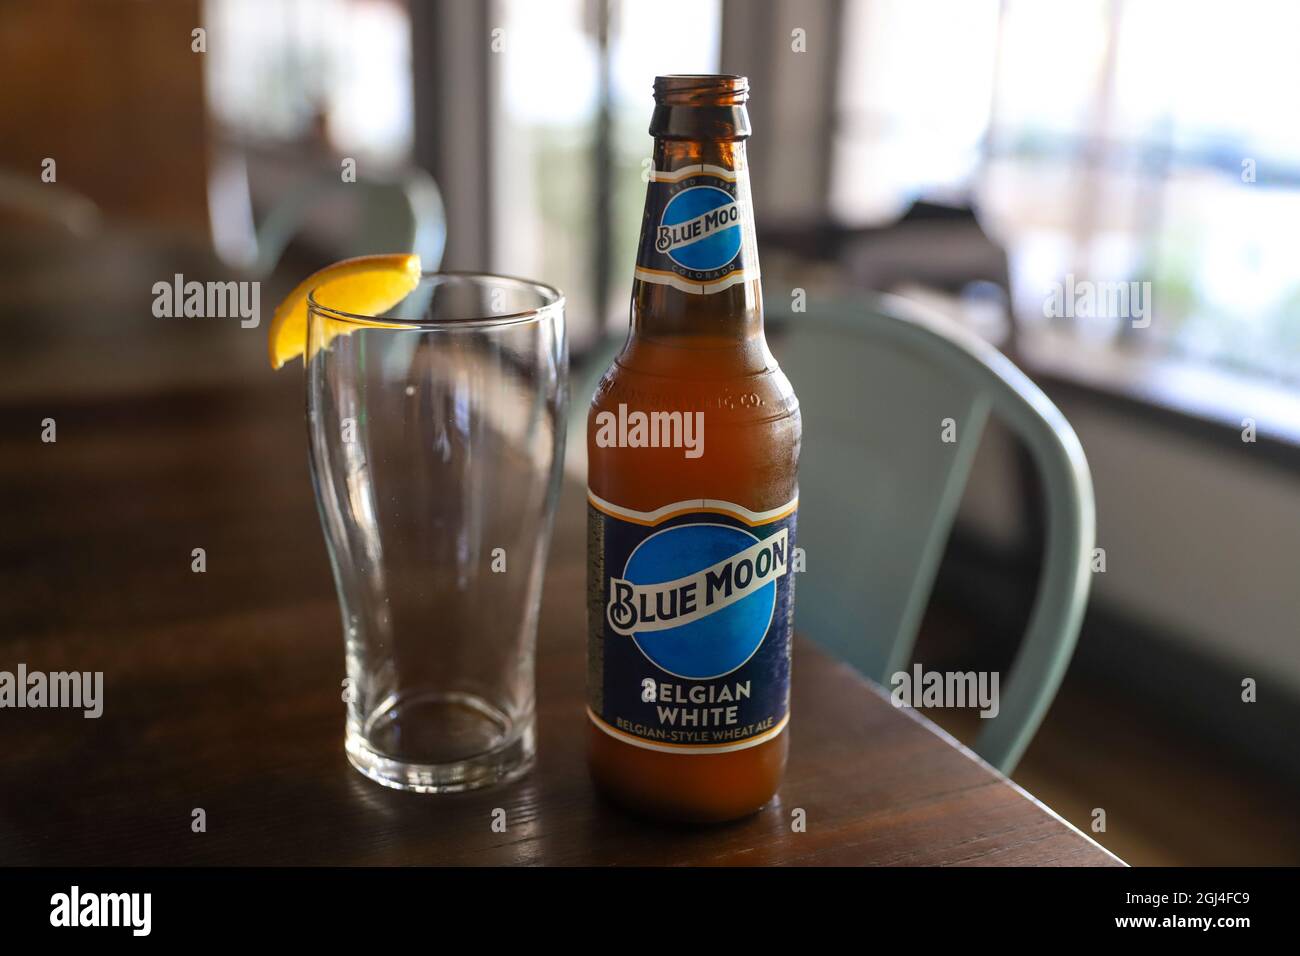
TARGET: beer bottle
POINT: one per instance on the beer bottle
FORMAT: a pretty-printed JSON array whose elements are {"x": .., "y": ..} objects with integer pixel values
[{"x": 693, "y": 444}]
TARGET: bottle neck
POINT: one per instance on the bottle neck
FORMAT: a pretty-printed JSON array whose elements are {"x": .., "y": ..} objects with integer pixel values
[{"x": 686, "y": 287}]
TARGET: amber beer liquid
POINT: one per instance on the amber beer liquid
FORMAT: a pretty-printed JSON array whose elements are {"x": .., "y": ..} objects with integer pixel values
[{"x": 693, "y": 444}]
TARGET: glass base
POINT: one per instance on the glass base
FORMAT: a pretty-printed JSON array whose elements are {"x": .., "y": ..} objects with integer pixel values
[{"x": 438, "y": 742}]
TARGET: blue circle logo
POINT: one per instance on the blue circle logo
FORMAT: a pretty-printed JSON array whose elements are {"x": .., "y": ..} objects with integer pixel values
[
  {"x": 700, "y": 229},
  {"x": 720, "y": 641}
]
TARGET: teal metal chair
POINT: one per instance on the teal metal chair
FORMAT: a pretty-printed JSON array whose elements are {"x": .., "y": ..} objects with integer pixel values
[{"x": 879, "y": 490}]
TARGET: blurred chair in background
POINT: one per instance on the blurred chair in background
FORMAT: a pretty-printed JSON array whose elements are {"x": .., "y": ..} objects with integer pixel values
[
  {"x": 935, "y": 250},
  {"x": 939, "y": 246},
  {"x": 394, "y": 213},
  {"x": 266, "y": 198},
  {"x": 895, "y": 401}
]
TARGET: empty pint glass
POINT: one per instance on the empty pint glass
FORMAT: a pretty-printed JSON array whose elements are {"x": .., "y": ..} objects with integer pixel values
[{"x": 437, "y": 438}]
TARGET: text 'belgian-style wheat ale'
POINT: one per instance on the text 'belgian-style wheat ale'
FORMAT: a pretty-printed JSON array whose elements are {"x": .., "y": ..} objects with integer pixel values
[{"x": 693, "y": 444}]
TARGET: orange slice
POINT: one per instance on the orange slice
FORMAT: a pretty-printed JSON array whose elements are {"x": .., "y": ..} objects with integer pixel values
[{"x": 366, "y": 285}]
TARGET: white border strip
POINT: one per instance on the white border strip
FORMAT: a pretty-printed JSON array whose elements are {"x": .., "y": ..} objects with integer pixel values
[
  {"x": 694, "y": 504},
  {"x": 685, "y": 172},
  {"x": 696, "y": 288},
  {"x": 689, "y": 750}
]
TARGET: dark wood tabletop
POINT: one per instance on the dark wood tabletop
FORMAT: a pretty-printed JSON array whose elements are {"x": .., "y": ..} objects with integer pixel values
[{"x": 222, "y": 688}]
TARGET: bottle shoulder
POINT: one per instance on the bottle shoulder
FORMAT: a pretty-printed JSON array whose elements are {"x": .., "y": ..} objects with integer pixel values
[
  {"x": 726, "y": 381},
  {"x": 745, "y": 433}
]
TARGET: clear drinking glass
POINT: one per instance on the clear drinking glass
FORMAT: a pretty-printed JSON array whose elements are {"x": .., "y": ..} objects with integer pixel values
[{"x": 437, "y": 440}]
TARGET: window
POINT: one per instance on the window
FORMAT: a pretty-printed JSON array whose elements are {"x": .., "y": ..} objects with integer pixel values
[
  {"x": 904, "y": 123},
  {"x": 554, "y": 71},
  {"x": 647, "y": 43},
  {"x": 278, "y": 68},
  {"x": 1148, "y": 140},
  {"x": 547, "y": 65}
]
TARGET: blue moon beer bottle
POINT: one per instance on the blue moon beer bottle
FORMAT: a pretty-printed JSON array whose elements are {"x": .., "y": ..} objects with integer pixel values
[{"x": 693, "y": 443}]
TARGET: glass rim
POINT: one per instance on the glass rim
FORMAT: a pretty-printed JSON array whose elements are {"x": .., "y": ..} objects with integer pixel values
[{"x": 553, "y": 304}]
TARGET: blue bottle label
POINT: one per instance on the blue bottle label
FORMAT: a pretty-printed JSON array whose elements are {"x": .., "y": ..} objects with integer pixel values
[
  {"x": 690, "y": 610},
  {"x": 698, "y": 233}
]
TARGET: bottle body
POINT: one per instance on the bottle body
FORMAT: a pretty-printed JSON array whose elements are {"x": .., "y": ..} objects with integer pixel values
[{"x": 693, "y": 442}]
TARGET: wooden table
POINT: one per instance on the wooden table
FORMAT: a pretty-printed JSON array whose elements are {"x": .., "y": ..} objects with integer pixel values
[{"x": 222, "y": 689}]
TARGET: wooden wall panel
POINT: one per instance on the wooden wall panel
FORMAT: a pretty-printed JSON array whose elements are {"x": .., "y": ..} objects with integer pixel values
[{"x": 112, "y": 91}]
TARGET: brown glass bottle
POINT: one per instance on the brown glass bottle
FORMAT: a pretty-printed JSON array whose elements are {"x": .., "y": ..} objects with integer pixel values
[{"x": 696, "y": 348}]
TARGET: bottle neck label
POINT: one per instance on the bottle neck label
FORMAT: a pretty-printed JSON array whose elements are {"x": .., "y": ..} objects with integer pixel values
[{"x": 698, "y": 232}]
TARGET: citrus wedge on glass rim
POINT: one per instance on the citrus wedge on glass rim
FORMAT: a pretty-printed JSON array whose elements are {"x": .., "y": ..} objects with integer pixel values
[{"x": 366, "y": 285}]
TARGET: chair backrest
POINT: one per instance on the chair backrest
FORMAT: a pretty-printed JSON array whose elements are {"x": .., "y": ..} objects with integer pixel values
[
  {"x": 894, "y": 403},
  {"x": 400, "y": 212}
]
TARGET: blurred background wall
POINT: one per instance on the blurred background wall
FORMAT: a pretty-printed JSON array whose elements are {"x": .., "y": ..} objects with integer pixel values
[
  {"x": 99, "y": 86},
  {"x": 976, "y": 156}
]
